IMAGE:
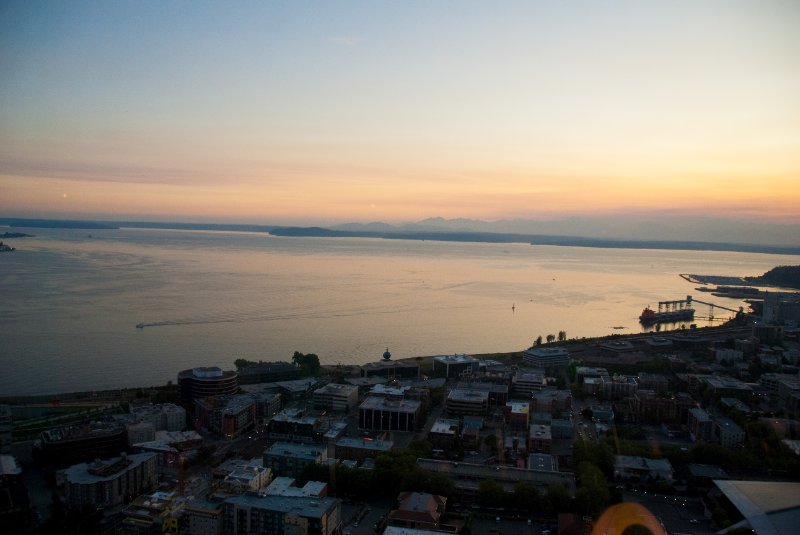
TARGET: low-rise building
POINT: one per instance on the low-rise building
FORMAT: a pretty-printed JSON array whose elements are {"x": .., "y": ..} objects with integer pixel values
[
  {"x": 728, "y": 433},
  {"x": 616, "y": 347},
  {"x": 498, "y": 393},
  {"x": 204, "y": 517},
  {"x": 555, "y": 402},
  {"x": 418, "y": 510},
  {"x": 540, "y": 439},
  {"x": 700, "y": 425},
  {"x": 292, "y": 425},
  {"x": 138, "y": 432},
  {"x": 546, "y": 357},
  {"x": 288, "y": 460},
  {"x": 467, "y": 477},
  {"x": 269, "y": 372},
  {"x": 444, "y": 432},
  {"x": 454, "y": 365},
  {"x": 391, "y": 369},
  {"x": 724, "y": 386},
  {"x": 656, "y": 382},
  {"x": 358, "y": 449},
  {"x": 467, "y": 402},
  {"x": 381, "y": 414},
  {"x": 163, "y": 417},
  {"x": 524, "y": 384},
  {"x": 226, "y": 416},
  {"x": 630, "y": 467},
  {"x": 245, "y": 515},
  {"x": 243, "y": 475},
  {"x": 542, "y": 462},
  {"x": 652, "y": 407},
  {"x": 109, "y": 483},
  {"x": 518, "y": 414},
  {"x": 336, "y": 398},
  {"x": 728, "y": 356},
  {"x": 287, "y": 486},
  {"x": 617, "y": 387},
  {"x": 68, "y": 444},
  {"x": 158, "y": 512}
]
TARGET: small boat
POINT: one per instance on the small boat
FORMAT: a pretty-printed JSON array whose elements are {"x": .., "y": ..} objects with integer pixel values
[{"x": 140, "y": 325}]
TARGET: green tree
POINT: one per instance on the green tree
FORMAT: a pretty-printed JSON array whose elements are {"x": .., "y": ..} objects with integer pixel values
[
  {"x": 491, "y": 443},
  {"x": 538, "y": 341},
  {"x": 551, "y": 338},
  {"x": 526, "y": 497},
  {"x": 562, "y": 336},
  {"x": 490, "y": 493},
  {"x": 557, "y": 500},
  {"x": 592, "y": 495},
  {"x": 309, "y": 364}
]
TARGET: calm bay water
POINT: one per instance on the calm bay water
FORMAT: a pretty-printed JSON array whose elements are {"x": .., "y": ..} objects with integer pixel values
[{"x": 71, "y": 300}]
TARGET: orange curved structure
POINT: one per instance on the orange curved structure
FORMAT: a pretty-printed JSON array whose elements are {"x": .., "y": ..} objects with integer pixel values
[{"x": 619, "y": 517}]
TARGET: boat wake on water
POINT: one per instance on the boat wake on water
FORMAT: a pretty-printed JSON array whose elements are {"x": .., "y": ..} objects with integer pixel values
[{"x": 318, "y": 314}]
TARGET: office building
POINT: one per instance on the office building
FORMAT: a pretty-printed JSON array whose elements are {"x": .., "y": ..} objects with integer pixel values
[
  {"x": 450, "y": 366},
  {"x": 292, "y": 425},
  {"x": 269, "y": 372},
  {"x": 336, "y": 398},
  {"x": 524, "y": 384},
  {"x": 382, "y": 414},
  {"x": 200, "y": 383},
  {"x": 546, "y": 357},
  {"x": 467, "y": 402}
]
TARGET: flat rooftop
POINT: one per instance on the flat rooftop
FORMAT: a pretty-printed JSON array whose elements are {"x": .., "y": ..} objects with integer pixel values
[
  {"x": 308, "y": 507},
  {"x": 468, "y": 395},
  {"x": 393, "y": 405},
  {"x": 374, "y": 445},
  {"x": 298, "y": 451},
  {"x": 455, "y": 359}
]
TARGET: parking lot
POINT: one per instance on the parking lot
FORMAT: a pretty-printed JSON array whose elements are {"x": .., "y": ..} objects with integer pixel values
[{"x": 678, "y": 514}]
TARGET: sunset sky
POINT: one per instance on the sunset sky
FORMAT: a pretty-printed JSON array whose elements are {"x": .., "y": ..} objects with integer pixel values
[{"x": 322, "y": 112}]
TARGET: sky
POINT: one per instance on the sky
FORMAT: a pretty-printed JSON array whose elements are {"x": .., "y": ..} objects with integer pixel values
[{"x": 325, "y": 112}]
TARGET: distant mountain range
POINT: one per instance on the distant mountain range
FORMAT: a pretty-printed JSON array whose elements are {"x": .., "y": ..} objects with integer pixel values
[{"x": 628, "y": 233}]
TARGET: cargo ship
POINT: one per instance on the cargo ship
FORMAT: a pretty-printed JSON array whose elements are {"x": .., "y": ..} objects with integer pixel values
[{"x": 668, "y": 312}]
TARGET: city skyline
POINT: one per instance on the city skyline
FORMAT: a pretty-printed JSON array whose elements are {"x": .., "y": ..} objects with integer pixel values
[{"x": 323, "y": 113}]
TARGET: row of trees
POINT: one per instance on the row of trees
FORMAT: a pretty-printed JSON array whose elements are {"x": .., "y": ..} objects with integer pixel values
[
  {"x": 308, "y": 363},
  {"x": 562, "y": 336},
  {"x": 395, "y": 471}
]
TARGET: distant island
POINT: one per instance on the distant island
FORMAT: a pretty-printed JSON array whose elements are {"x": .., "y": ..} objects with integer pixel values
[
  {"x": 388, "y": 232},
  {"x": 56, "y": 223},
  {"x": 16, "y": 235}
]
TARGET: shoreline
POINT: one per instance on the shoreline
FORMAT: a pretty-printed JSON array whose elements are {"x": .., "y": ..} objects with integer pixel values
[{"x": 131, "y": 393}]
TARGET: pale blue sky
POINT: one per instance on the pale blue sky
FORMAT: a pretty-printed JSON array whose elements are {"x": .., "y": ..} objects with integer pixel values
[{"x": 416, "y": 109}]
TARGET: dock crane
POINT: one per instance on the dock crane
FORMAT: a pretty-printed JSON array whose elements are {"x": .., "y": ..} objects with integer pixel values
[{"x": 712, "y": 306}]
